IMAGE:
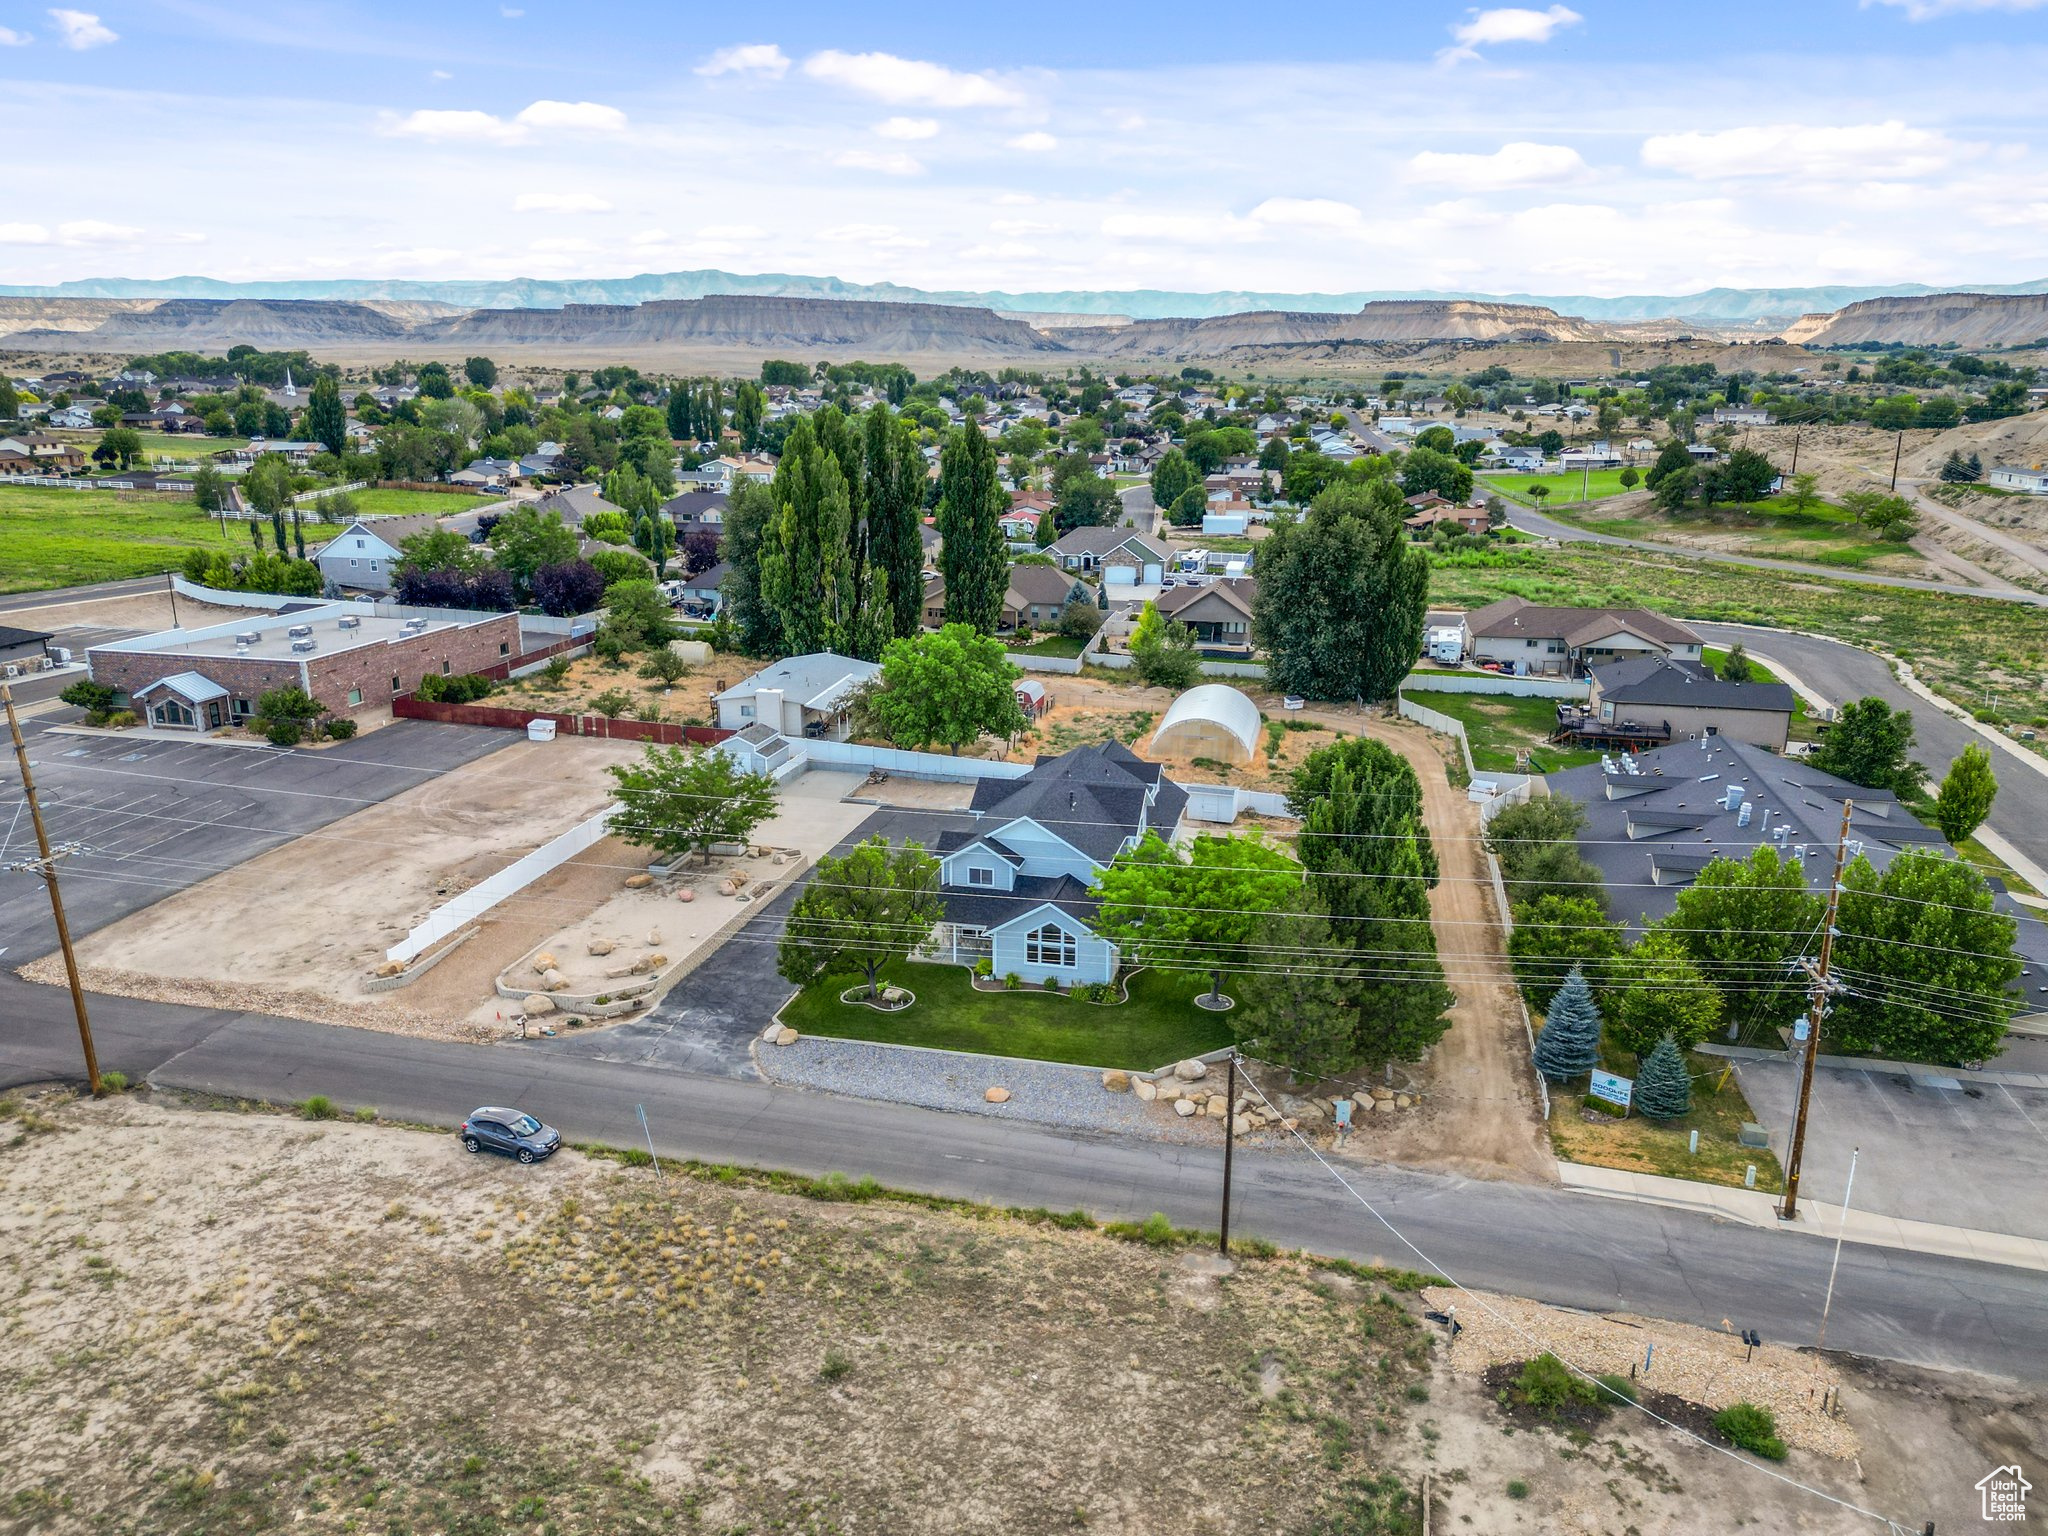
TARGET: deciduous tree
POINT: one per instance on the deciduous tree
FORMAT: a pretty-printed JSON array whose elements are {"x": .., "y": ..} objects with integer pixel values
[
  {"x": 867, "y": 907},
  {"x": 679, "y": 801},
  {"x": 1868, "y": 745},
  {"x": 1205, "y": 911},
  {"x": 1967, "y": 791},
  {"x": 950, "y": 687}
]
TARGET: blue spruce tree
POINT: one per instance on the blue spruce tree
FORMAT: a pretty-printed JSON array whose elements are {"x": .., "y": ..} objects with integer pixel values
[
  {"x": 1569, "y": 1043},
  {"x": 1664, "y": 1087}
]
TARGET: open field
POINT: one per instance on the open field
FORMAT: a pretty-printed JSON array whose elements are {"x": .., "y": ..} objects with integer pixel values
[
  {"x": 1822, "y": 534},
  {"x": 230, "y": 1322},
  {"x": 1157, "y": 1025},
  {"x": 1960, "y": 645},
  {"x": 180, "y": 447},
  {"x": 587, "y": 679},
  {"x": 1584, "y": 1135},
  {"x": 61, "y": 538},
  {"x": 1500, "y": 728},
  {"x": 389, "y": 501}
]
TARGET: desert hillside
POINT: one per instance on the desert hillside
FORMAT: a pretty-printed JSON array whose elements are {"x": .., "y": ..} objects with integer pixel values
[{"x": 1932, "y": 320}]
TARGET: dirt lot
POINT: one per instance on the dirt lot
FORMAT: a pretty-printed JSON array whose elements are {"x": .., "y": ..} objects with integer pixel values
[
  {"x": 233, "y": 1322},
  {"x": 687, "y": 703},
  {"x": 145, "y": 613},
  {"x": 360, "y": 885}
]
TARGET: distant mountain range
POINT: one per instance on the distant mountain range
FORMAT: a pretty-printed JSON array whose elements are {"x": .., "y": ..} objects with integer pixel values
[{"x": 1720, "y": 306}]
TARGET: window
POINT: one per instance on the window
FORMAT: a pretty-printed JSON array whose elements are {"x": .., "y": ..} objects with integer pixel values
[
  {"x": 444, "y": 669},
  {"x": 1050, "y": 945},
  {"x": 746, "y": 711},
  {"x": 355, "y": 696},
  {"x": 238, "y": 709},
  {"x": 977, "y": 875},
  {"x": 504, "y": 648},
  {"x": 394, "y": 683}
]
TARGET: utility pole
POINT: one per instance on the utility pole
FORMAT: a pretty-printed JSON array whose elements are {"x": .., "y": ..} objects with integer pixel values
[
  {"x": 171, "y": 586},
  {"x": 1898, "y": 447},
  {"x": 45, "y": 864},
  {"x": 1229, "y": 1140},
  {"x": 1790, "y": 1210},
  {"x": 1797, "y": 433}
]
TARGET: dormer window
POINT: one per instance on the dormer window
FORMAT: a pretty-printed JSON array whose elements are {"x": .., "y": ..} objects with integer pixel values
[{"x": 980, "y": 875}]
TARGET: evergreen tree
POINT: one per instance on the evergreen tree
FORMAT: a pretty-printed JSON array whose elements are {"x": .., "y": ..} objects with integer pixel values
[
  {"x": 972, "y": 558},
  {"x": 1305, "y": 1014},
  {"x": 326, "y": 421},
  {"x": 1341, "y": 596},
  {"x": 1967, "y": 791},
  {"x": 807, "y": 561},
  {"x": 893, "y": 474},
  {"x": 1664, "y": 1086},
  {"x": 1569, "y": 1042}
]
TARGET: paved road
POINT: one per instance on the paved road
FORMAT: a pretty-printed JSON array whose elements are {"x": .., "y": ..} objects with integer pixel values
[
  {"x": 25, "y": 602},
  {"x": 1570, "y": 1249},
  {"x": 1842, "y": 673},
  {"x": 1549, "y": 527}
]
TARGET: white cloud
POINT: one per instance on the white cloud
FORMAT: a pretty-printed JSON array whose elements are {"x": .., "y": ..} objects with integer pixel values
[
  {"x": 1021, "y": 227},
  {"x": 511, "y": 12},
  {"x": 1859, "y": 152},
  {"x": 908, "y": 127},
  {"x": 1512, "y": 165},
  {"x": 578, "y": 116},
  {"x": 1508, "y": 24},
  {"x": 1034, "y": 143},
  {"x": 9, "y": 38},
  {"x": 871, "y": 160},
  {"x": 732, "y": 232},
  {"x": 1307, "y": 213},
  {"x": 439, "y": 74},
  {"x": 1928, "y": 10},
  {"x": 747, "y": 59},
  {"x": 909, "y": 82},
  {"x": 563, "y": 245},
  {"x": 96, "y": 232},
  {"x": 560, "y": 202},
  {"x": 82, "y": 29},
  {"x": 24, "y": 234},
  {"x": 479, "y": 127}
]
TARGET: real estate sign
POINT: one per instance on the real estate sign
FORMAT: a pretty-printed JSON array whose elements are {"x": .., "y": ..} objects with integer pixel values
[{"x": 1617, "y": 1091}]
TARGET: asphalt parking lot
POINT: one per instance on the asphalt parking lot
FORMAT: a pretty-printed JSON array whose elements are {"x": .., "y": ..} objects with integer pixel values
[
  {"x": 154, "y": 816},
  {"x": 1974, "y": 1155}
]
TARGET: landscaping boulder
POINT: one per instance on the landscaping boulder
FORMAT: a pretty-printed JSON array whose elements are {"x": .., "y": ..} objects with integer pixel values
[
  {"x": 1191, "y": 1070},
  {"x": 1145, "y": 1088},
  {"x": 538, "y": 1003},
  {"x": 768, "y": 1035},
  {"x": 1239, "y": 1124},
  {"x": 1169, "y": 1091},
  {"x": 639, "y": 882},
  {"x": 997, "y": 1095},
  {"x": 1184, "y": 1107},
  {"x": 653, "y": 936},
  {"x": 1383, "y": 1094},
  {"x": 895, "y": 997},
  {"x": 618, "y": 973},
  {"x": 1215, "y": 1109},
  {"x": 1117, "y": 1082},
  {"x": 646, "y": 965},
  {"x": 553, "y": 980},
  {"x": 544, "y": 962},
  {"x": 785, "y": 1036},
  {"x": 686, "y": 894},
  {"x": 601, "y": 947},
  {"x": 391, "y": 968},
  {"x": 1402, "y": 1101}
]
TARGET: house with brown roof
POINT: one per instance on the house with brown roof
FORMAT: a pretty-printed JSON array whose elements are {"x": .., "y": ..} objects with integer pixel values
[
  {"x": 1219, "y": 612},
  {"x": 1533, "y": 640},
  {"x": 1037, "y": 596}
]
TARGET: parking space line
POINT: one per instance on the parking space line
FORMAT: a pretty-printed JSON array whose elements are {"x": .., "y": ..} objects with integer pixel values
[{"x": 2034, "y": 1124}]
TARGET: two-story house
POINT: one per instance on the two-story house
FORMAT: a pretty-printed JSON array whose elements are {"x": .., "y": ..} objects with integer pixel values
[{"x": 1016, "y": 886}]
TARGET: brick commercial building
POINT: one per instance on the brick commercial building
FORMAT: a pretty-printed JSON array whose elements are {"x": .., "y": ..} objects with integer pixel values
[{"x": 348, "y": 656}]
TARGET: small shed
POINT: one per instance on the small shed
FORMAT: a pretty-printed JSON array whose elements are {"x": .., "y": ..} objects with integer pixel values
[
  {"x": 1213, "y": 720},
  {"x": 1032, "y": 697}
]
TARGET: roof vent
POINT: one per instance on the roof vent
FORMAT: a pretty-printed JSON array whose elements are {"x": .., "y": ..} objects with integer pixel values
[
  {"x": 299, "y": 631},
  {"x": 353, "y": 621},
  {"x": 307, "y": 644}
]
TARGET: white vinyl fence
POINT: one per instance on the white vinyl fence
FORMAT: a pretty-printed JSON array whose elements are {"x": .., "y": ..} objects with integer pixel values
[{"x": 452, "y": 915}]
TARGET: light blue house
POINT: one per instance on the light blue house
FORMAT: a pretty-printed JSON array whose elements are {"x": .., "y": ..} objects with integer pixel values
[{"x": 1016, "y": 886}]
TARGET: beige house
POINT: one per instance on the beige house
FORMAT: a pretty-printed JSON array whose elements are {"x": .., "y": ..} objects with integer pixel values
[
  {"x": 1653, "y": 700},
  {"x": 1532, "y": 640}
]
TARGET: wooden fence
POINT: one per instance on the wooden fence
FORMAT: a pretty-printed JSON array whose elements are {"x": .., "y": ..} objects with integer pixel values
[{"x": 406, "y": 707}]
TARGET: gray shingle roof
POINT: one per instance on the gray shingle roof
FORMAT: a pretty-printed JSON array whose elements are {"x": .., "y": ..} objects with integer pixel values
[
  {"x": 1657, "y": 682},
  {"x": 1094, "y": 797}
]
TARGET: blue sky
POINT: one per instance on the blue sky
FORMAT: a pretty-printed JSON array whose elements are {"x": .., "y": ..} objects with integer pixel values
[{"x": 1596, "y": 147}]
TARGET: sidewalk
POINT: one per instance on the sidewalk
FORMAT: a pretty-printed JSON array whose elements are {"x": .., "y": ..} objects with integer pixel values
[
  {"x": 155, "y": 733},
  {"x": 1754, "y": 1208}
]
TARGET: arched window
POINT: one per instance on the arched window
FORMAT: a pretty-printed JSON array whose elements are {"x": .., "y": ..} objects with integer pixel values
[{"x": 1049, "y": 945}]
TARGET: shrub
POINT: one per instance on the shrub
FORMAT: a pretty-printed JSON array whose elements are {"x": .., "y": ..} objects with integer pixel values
[
  {"x": 836, "y": 1367},
  {"x": 838, "y": 1187},
  {"x": 636, "y": 1157},
  {"x": 1752, "y": 1428},
  {"x": 121, "y": 720},
  {"x": 89, "y": 696},
  {"x": 462, "y": 688},
  {"x": 113, "y": 1082},
  {"x": 556, "y": 671},
  {"x": 1052, "y": 983},
  {"x": 95, "y": 717},
  {"x": 1620, "y": 1388},
  {"x": 1548, "y": 1385},
  {"x": 1012, "y": 981},
  {"x": 612, "y": 703},
  {"x": 284, "y": 733},
  {"x": 318, "y": 1107},
  {"x": 365, "y": 1115},
  {"x": 1157, "y": 1231},
  {"x": 984, "y": 967},
  {"x": 1517, "y": 1489},
  {"x": 340, "y": 728}
]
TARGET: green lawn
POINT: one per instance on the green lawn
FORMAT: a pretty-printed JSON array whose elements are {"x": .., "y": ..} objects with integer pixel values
[
  {"x": 53, "y": 538},
  {"x": 1051, "y": 645},
  {"x": 1820, "y": 534},
  {"x": 1579, "y": 486},
  {"x": 1499, "y": 727},
  {"x": 390, "y": 502},
  {"x": 183, "y": 447},
  {"x": 1159, "y": 1023}
]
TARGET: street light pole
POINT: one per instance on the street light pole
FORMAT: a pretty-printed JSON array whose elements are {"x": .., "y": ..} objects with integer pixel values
[
  {"x": 1796, "y": 1154},
  {"x": 45, "y": 864}
]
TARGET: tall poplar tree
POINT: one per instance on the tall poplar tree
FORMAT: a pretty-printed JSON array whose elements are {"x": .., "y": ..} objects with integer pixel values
[
  {"x": 749, "y": 408},
  {"x": 972, "y": 558},
  {"x": 807, "y": 563},
  {"x": 326, "y": 421},
  {"x": 894, "y": 475}
]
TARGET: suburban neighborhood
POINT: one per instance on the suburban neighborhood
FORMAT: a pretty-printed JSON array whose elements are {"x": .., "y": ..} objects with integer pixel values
[{"x": 1158, "y": 827}]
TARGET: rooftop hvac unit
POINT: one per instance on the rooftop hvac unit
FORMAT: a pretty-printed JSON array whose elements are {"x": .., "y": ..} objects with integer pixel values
[
  {"x": 414, "y": 627},
  {"x": 248, "y": 637},
  {"x": 300, "y": 631},
  {"x": 353, "y": 621},
  {"x": 1742, "y": 816},
  {"x": 306, "y": 644}
]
